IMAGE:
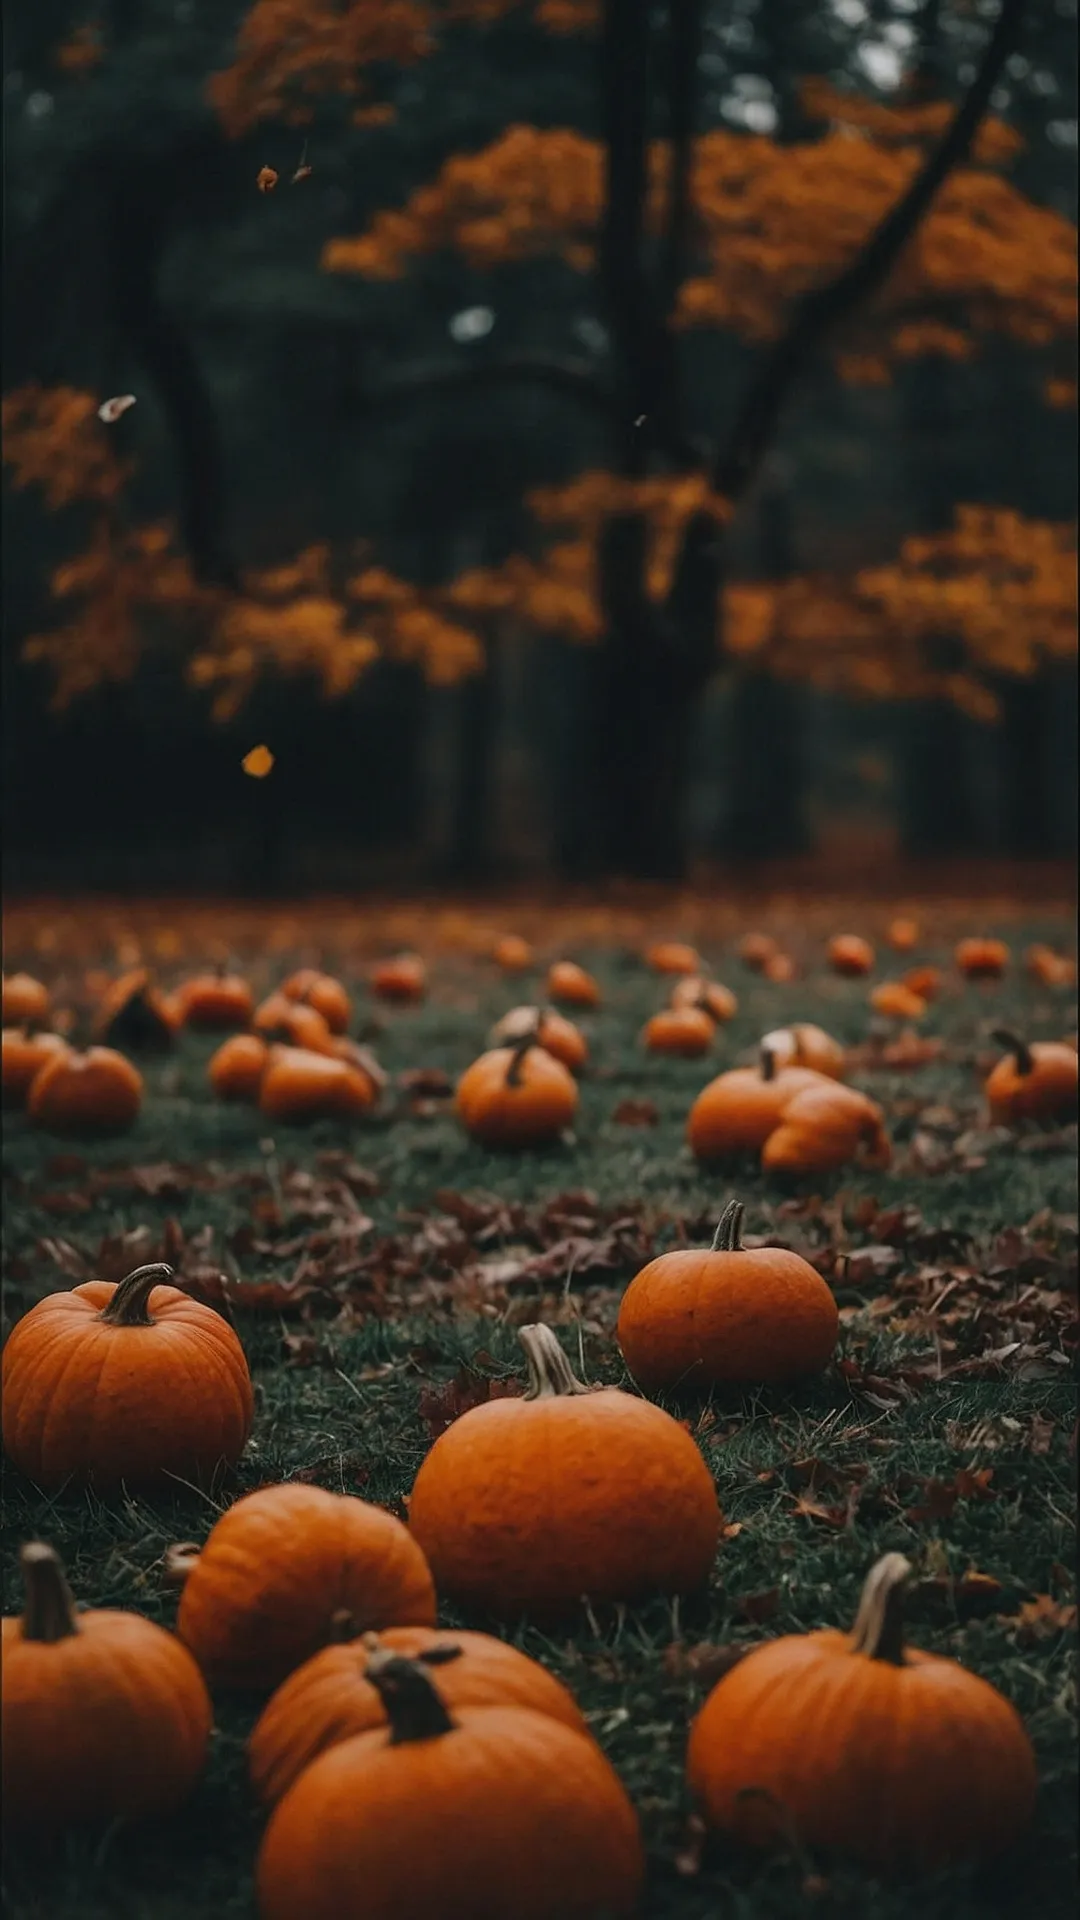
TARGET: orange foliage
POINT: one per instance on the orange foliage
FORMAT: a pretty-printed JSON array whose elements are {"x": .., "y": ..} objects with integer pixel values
[
  {"x": 919, "y": 121},
  {"x": 54, "y": 440},
  {"x": 82, "y": 52}
]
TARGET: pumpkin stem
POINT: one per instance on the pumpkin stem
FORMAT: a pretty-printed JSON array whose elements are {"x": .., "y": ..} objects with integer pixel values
[
  {"x": 768, "y": 1064},
  {"x": 728, "y": 1236},
  {"x": 437, "y": 1656},
  {"x": 414, "y": 1707},
  {"x": 879, "y": 1624},
  {"x": 49, "y": 1613},
  {"x": 550, "y": 1372},
  {"x": 179, "y": 1560},
  {"x": 1025, "y": 1059},
  {"x": 521, "y": 1048},
  {"x": 128, "y": 1306}
]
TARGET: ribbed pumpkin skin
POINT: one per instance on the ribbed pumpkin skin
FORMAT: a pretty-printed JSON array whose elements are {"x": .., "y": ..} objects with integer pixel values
[
  {"x": 1048, "y": 1092},
  {"x": 918, "y": 1766},
  {"x": 759, "y": 1316},
  {"x": 738, "y": 1110},
  {"x": 500, "y": 1113},
  {"x": 328, "y": 1700},
  {"x": 824, "y": 1127},
  {"x": 95, "y": 1404},
  {"x": 299, "y": 1085},
  {"x": 685, "y": 1032},
  {"x": 276, "y": 1569},
  {"x": 24, "y": 1055},
  {"x": 96, "y": 1092},
  {"x": 525, "y": 1506},
  {"x": 211, "y": 1002},
  {"x": 509, "y": 1816},
  {"x": 235, "y": 1071},
  {"x": 112, "y": 1721}
]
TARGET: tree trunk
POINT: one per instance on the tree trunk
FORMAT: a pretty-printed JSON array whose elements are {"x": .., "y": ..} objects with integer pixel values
[
  {"x": 471, "y": 853},
  {"x": 1030, "y": 826},
  {"x": 937, "y": 809}
]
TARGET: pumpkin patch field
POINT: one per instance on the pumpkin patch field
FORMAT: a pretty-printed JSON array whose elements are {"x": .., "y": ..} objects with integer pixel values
[{"x": 539, "y": 1414}]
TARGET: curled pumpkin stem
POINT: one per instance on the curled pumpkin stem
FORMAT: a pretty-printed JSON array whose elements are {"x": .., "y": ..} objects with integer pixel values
[
  {"x": 521, "y": 1048},
  {"x": 414, "y": 1707},
  {"x": 768, "y": 1064},
  {"x": 1021, "y": 1052},
  {"x": 879, "y": 1624},
  {"x": 49, "y": 1613},
  {"x": 129, "y": 1306},
  {"x": 728, "y": 1235},
  {"x": 550, "y": 1372},
  {"x": 179, "y": 1560}
]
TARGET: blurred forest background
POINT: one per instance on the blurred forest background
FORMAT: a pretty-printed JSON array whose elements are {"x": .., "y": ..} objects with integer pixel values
[{"x": 317, "y": 528}]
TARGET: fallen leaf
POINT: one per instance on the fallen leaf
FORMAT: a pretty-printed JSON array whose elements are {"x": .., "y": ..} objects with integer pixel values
[
  {"x": 258, "y": 762},
  {"x": 636, "y": 1113}
]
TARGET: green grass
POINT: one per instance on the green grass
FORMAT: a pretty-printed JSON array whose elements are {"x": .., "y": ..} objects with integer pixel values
[{"x": 784, "y": 1570}]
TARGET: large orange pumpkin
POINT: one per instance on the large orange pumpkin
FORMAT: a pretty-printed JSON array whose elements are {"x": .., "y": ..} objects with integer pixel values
[
  {"x": 132, "y": 1013},
  {"x": 298, "y": 1085},
  {"x": 212, "y": 1002},
  {"x": 1036, "y": 1080},
  {"x": 697, "y": 1318},
  {"x": 864, "y": 1746},
  {"x": 695, "y": 990},
  {"x": 135, "y": 1384},
  {"x": 518, "y": 1096},
  {"x": 524, "y": 1506},
  {"x": 824, "y": 1127},
  {"x": 738, "y": 1110},
  {"x": 24, "y": 1055},
  {"x": 105, "y": 1717},
  {"x": 324, "y": 993},
  {"x": 568, "y": 982},
  {"x": 330, "y": 1697},
  {"x": 551, "y": 1030},
  {"x": 802, "y": 1045},
  {"x": 26, "y": 1002},
  {"x": 96, "y": 1092},
  {"x": 686, "y": 1032},
  {"x": 492, "y": 1811},
  {"x": 288, "y": 1570}
]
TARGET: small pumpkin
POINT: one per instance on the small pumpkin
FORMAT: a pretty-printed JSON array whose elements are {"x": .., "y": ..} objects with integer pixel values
[
  {"x": 26, "y": 1002},
  {"x": 289, "y": 1023},
  {"x": 96, "y": 1092},
  {"x": 824, "y": 1127},
  {"x": 852, "y": 1741},
  {"x": 288, "y": 1570},
  {"x": 488, "y": 1810},
  {"x": 673, "y": 956},
  {"x": 363, "y": 1061},
  {"x": 849, "y": 954},
  {"x": 756, "y": 949},
  {"x": 512, "y": 953},
  {"x": 803, "y": 1045},
  {"x": 518, "y": 1096},
  {"x": 235, "y": 1071},
  {"x": 982, "y": 959},
  {"x": 104, "y": 1715},
  {"x": 298, "y": 1085},
  {"x": 779, "y": 968},
  {"x": 330, "y": 1698},
  {"x": 24, "y": 1055},
  {"x": 686, "y": 1032},
  {"x": 897, "y": 1002},
  {"x": 729, "y": 1315},
  {"x": 550, "y": 1029},
  {"x": 525, "y": 1505},
  {"x": 738, "y": 1110},
  {"x": 132, "y": 1384},
  {"x": 1036, "y": 1080},
  {"x": 217, "y": 1001},
  {"x": 925, "y": 981},
  {"x": 1050, "y": 969},
  {"x": 403, "y": 979},
  {"x": 696, "y": 991},
  {"x": 133, "y": 1013},
  {"x": 324, "y": 993},
  {"x": 568, "y": 982},
  {"x": 903, "y": 935}
]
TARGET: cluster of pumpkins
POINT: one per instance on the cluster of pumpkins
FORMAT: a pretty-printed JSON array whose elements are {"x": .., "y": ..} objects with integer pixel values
[{"x": 421, "y": 1768}]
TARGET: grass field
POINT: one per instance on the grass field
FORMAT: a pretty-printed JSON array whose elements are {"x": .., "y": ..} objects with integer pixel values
[{"x": 375, "y": 1303}]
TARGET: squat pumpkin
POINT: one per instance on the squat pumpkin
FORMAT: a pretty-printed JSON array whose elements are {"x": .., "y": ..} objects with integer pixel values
[
  {"x": 26, "y": 1002},
  {"x": 403, "y": 979},
  {"x": 695, "y": 990},
  {"x": 24, "y": 1055},
  {"x": 571, "y": 984},
  {"x": 288, "y": 1570},
  {"x": 212, "y": 1002},
  {"x": 982, "y": 959},
  {"x": 518, "y": 1096},
  {"x": 824, "y": 1127},
  {"x": 1035, "y": 1081},
  {"x": 235, "y": 1071},
  {"x": 693, "y": 1319},
  {"x": 93, "y": 1093},
  {"x": 135, "y": 1384},
  {"x": 686, "y": 1032},
  {"x": 330, "y": 1697},
  {"x": 105, "y": 1716},
  {"x": 864, "y": 1746},
  {"x": 324, "y": 993},
  {"x": 849, "y": 954},
  {"x": 524, "y": 1506},
  {"x": 549, "y": 1029},
  {"x": 490, "y": 1810}
]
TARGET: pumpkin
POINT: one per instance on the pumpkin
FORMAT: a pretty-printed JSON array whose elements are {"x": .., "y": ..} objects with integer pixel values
[
  {"x": 26, "y": 1001},
  {"x": 235, "y": 1071},
  {"x": 96, "y": 1092},
  {"x": 779, "y": 968},
  {"x": 403, "y": 979},
  {"x": 24, "y": 1055},
  {"x": 1036, "y": 1080},
  {"x": 1050, "y": 969},
  {"x": 849, "y": 954},
  {"x": 493, "y": 1811},
  {"x": 330, "y": 1698},
  {"x": 133, "y": 1383},
  {"x": 672, "y": 956},
  {"x": 518, "y": 1096},
  {"x": 298, "y": 1085},
  {"x": 290, "y": 1023},
  {"x": 550, "y": 1030},
  {"x": 512, "y": 953},
  {"x": 695, "y": 991},
  {"x": 686, "y": 1032},
  {"x": 738, "y": 1110},
  {"x": 288, "y": 1570},
  {"x": 132, "y": 1013},
  {"x": 105, "y": 1716},
  {"x": 903, "y": 935},
  {"x": 825, "y": 1126},
  {"x": 524, "y": 1506},
  {"x": 568, "y": 982},
  {"x": 362, "y": 1060},
  {"x": 807, "y": 1046},
  {"x": 897, "y": 1001},
  {"x": 756, "y": 949},
  {"x": 213, "y": 1001},
  {"x": 728, "y": 1315},
  {"x": 862, "y": 1745},
  {"x": 324, "y": 993},
  {"x": 982, "y": 959},
  {"x": 925, "y": 981}
]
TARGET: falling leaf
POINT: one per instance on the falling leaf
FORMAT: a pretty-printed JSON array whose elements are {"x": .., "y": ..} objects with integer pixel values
[
  {"x": 111, "y": 410},
  {"x": 258, "y": 762},
  {"x": 266, "y": 179}
]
